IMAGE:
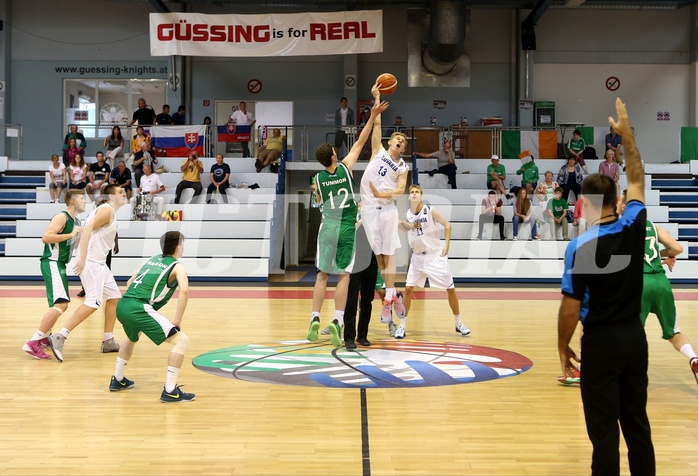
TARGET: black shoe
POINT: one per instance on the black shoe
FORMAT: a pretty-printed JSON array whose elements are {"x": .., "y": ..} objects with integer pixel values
[
  {"x": 363, "y": 342},
  {"x": 431, "y": 174},
  {"x": 81, "y": 293},
  {"x": 349, "y": 344},
  {"x": 509, "y": 196}
]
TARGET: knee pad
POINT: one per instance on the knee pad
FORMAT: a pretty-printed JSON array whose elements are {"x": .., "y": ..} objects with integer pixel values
[
  {"x": 59, "y": 310},
  {"x": 179, "y": 343}
]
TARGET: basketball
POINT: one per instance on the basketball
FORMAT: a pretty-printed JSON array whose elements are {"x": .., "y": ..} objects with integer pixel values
[{"x": 387, "y": 84}]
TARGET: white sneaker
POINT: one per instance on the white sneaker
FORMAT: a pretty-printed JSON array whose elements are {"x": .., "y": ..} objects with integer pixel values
[
  {"x": 464, "y": 331},
  {"x": 325, "y": 331},
  {"x": 392, "y": 327},
  {"x": 387, "y": 312},
  {"x": 400, "y": 332},
  {"x": 516, "y": 238}
]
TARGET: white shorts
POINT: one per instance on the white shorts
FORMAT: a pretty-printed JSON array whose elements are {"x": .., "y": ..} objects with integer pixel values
[
  {"x": 432, "y": 266},
  {"x": 98, "y": 283},
  {"x": 381, "y": 229}
]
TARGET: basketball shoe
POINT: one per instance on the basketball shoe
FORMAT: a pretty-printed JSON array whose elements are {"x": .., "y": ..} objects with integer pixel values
[
  {"x": 312, "y": 331},
  {"x": 335, "y": 333},
  {"x": 464, "y": 331},
  {"x": 110, "y": 345},
  {"x": 56, "y": 342},
  {"x": 399, "y": 306},
  {"x": 387, "y": 313},
  {"x": 400, "y": 332},
  {"x": 176, "y": 396},
  {"x": 35, "y": 348},
  {"x": 694, "y": 367},
  {"x": 392, "y": 327},
  {"x": 123, "y": 384}
]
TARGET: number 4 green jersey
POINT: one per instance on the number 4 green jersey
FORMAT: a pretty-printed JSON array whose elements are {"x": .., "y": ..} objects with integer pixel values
[
  {"x": 653, "y": 260},
  {"x": 150, "y": 285},
  {"x": 336, "y": 191}
]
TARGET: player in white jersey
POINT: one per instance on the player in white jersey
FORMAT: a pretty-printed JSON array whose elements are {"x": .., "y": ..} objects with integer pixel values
[
  {"x": 384, "y": 179},
  {"x": 96, "y": 277},
  {"x": 429, "y": 257}
]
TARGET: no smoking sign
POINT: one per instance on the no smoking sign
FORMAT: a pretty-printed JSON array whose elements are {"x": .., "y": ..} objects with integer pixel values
[
  {"x": 612, "y": 83},
  {"x": 254, "y": 86}
]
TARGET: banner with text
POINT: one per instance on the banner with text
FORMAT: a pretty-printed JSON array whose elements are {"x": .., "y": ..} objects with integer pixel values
[
  {"x": 179, "y": 141},
  {"x": 234, "y": 133},
  {"x": 295, "y": 34}
]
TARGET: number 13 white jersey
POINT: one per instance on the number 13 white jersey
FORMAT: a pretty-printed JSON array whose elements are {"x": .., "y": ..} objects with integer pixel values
[{"x": 383, "y": 173}]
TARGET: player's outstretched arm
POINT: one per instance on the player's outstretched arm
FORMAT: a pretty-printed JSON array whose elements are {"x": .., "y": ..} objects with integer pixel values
[
  {"x": 358, "y": 146},
  {"x": 180, "y": 274},
  {"x": 377, "y": 136},
  {"x": 633, "y": 165},
  {"x": 671, "y": 246}
]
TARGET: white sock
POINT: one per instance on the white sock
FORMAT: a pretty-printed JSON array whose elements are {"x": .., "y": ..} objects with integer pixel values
[
  {"x": 456, "y": 319},
  {"x": 171, "y": 382},
  {"x": 389, "y": 294},
  {"x": 107, "y": 336},
  {"x": 64, "y": 332},
  {"x": 119, "y": 370},
  {"x": 403, "y": 322},
  {"x": 314, "y": 314},
  {"x": 38, "y": 335},
  {"x": 339, "y": 315},
  {"x": 688, "y": 351}
]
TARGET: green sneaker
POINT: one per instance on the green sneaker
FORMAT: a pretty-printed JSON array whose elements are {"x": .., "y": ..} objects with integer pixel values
[
  {"x": 335, "y": 333},
  {"x": 314, "y": 328}
]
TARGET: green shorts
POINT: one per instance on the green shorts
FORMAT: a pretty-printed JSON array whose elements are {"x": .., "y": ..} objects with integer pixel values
[
  {"x": 335, "y": 247},
  {"x": 56, "y": 281},
  {"x": 138, "y": 316},
  {"x": 658, "y": 298}
]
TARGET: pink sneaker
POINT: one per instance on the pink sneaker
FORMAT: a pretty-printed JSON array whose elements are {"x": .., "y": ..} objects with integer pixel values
[
  {"x": 387, "y": 313},
  {"x": 35, "y": 348},
  {"x": 694, "y": 367},
  {"x": 398, "y": 305}
]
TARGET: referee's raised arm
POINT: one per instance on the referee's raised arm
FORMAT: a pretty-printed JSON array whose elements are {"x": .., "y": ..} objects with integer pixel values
[{"x": 633, "y": 165}]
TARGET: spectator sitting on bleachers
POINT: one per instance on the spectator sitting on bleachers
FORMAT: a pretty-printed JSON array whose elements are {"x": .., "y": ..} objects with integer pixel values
[
  {"x": 528, "y": 170},
  {"x": 191, "y": 177},
  {"x": 139, "y": 139},
  {"x": 397, "y": 127},
  {"x": 220, "y": 173},
  {"x": 178, "y": 118},
  {"x": 579, "y": 220},
  {"x": 57, "y": 174},
  {"x": 114, "y": 143},
  {"x": 575, "y": 148},
  {"x": 164, "y": 118},
  {"x": 78, "y": 172},
  {"x": 496, "y": 173},
  {"x": 556, "y": 215},
  {"x": 614, "y": 142},
  {"x": 570, "y": 178},
  {"x": 70, "y": 152},
  {"x": 491, "y": 213},
  {"x": 270, "y": 151},
  {"x": 523, "y": 213},
  {"x": 151, "y": 184},
  {"x": 445, "y": 161},
  {"x": 121, "y": 176},
  {"x": 142, "y": 158},
  {"x": 546, "y": 189},
  {"x": 80, "y": 141},
  {"x": 610, "y": 167},
  {"x": 98, "y": 175}
]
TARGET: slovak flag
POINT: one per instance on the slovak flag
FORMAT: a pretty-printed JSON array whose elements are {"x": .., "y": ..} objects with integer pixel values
[
  {"x": 234, "y": 133},
  {"x": 179, "y": 141}
]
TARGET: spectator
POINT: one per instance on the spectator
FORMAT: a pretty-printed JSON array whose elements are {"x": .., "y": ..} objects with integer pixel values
[
  {"x": 57, "y": 174},
  {"x": 343, "y": 118},
  {"x": 98, "y": 176},
  {"x": 191, "y": 177},
  {"x": 139, "y": 139},
  {"x": 397, "y": 127},
  {"x": 523, "y": 211},
  {"x": 556, "y": 215},
  {"x": 151, "y": 185},
  {"x": 70, "y": 152},
  {"x": 575, "y": 148},
  {"x": 496, "y": 173},
  {"x": 365, "y": 116},
  {"x": 114, "y": 143},
  {"x": 270, "y": 151},
  {"x": 614, "y": 142},
  {"x": 121, "y": 176},
  {"x": 78, "y": 172},
  {"x": 491, "y": 213},
  {"x": 528, "y": 170},
  {"x": 241, "y": 117},
  {"x": 178, "y": 118},
  {"x": 445, "y": 161},
  {"x": 570, "y": 178},
  {"x": 142, "y": 158},
  {"x": 609, "y": 167},
  {"x": 80, "y": 141},
  {"x": 579, "y": 220},
  {"x": 546, "y": 189},
  {"x": 164, "y": 118},
  {"x": 144, "y": 115},
  {"x": 209, "y": 136},
  {"x": 220, "y": 173}
]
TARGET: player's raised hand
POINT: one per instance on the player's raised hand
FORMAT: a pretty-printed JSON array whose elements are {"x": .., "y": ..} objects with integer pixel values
[
  {"x": 622, "y": 125},
  {"x": 669, "y": 261},
  {"x": 375, "y": 92},
  {"x": 379, "y": 108}
]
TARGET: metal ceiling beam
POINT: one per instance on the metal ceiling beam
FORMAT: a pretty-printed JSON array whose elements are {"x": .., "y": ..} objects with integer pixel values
[{"x": 159, "y": 6}]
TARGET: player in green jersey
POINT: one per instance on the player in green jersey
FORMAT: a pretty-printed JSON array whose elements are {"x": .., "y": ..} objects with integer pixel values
[
  {"x": 335, "y": 249},
  {"x": 149, "y": 289},
  {"x": 60, "y": 238}
]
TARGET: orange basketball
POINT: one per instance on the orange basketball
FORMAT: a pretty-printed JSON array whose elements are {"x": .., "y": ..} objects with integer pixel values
[{"x": 387, "y": 84}]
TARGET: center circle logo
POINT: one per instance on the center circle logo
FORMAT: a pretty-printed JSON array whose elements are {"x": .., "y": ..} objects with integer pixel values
[{"x": 386, "y": 364}]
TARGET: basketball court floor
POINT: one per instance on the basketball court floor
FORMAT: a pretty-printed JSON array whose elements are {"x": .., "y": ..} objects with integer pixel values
[{"x": 270, "y": 403}]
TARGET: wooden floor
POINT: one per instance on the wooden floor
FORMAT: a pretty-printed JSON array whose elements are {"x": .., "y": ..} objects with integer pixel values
[{"x": 61, "y": 418}]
